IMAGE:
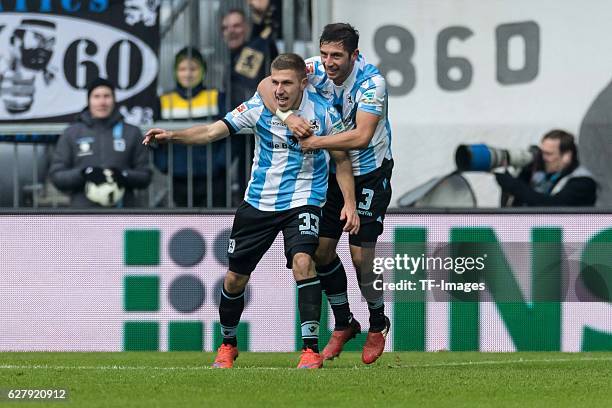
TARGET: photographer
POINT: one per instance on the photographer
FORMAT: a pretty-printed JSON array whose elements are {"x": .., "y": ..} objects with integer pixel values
[{"x": 555, "y": 178}]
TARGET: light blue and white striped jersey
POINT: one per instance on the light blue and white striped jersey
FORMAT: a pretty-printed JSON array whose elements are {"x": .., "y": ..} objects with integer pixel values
[
  {"x": 364, "y": 89},
  {"x": 282, "y": 176}
]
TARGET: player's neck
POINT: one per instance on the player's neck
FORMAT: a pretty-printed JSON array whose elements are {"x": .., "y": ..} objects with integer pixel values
[
  {"x": 298, "y": 102},
  {"x": 340, "y": 80}
]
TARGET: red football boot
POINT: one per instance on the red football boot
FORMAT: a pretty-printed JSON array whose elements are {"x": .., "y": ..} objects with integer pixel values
[
  {"x": 226, "y": 354},
  {"x": 339, "y": 338},
  {"x": 310, "y": 360},
  {"x": 375, "y": 344}
]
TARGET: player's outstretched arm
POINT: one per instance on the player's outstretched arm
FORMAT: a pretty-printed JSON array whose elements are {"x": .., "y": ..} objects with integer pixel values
[
  {"x": 344, "y": 175},
  {"x": 296, "y": 124},
  {"x": 357, "y": 138},
  {"x": 200, "y": 134}
]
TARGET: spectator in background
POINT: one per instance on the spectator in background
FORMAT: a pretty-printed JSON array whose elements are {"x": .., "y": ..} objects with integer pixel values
[
  {"x": 99, "y": 159},
  {"x": 191, "y": 100},
  {"x": 556, "y": 177},
  {"x": 252, "y": 50}
]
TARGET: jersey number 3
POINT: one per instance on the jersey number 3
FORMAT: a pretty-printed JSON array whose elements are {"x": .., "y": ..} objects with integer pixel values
[
  {"x": 368, "y": 195},
  {"x": 310, "y": 222}
]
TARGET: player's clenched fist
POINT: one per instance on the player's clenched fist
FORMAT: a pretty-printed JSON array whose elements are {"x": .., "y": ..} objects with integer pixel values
[
  {"x": 299, "y": 126},
  {"x": 156, "y": 134}
]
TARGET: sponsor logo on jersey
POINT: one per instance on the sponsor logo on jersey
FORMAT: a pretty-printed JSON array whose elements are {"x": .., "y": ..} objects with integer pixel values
[
  {"x": 310, "y": 67},
  {"x": 240, "y": 109},
  {"x": 293, "y": 145},
  {"x": 276, "y": 122},
  {"x": 369, "y": 98},
  {"x": 338, "y": 127}
]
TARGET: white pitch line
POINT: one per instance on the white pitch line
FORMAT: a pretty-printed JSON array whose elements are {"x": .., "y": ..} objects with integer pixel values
[
  {"x": 493, "y": 362},
  {"x": 199, "y": 368}
]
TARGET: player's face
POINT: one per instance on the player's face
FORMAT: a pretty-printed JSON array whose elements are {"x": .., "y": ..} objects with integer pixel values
[
  {"x": 101, "y": 102},
  {"x": 288, "y": 88},
  {"x": 188, "y": 73},
  {"x": 554, "y": 160},
  {"x": 337, "y": 61},
  {"x": 234, "y": 30}
]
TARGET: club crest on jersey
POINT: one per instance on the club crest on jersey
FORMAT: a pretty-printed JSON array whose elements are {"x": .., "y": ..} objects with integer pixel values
[{"x": 315, "y": 125}]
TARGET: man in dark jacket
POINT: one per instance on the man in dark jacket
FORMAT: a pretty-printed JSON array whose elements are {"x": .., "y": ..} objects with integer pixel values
[
  {"x": 251, "y": 55},
  {"x": 99, "y": 160},
  {"x": 554, "y": 179},
  {"x": 252, "y": 50}
]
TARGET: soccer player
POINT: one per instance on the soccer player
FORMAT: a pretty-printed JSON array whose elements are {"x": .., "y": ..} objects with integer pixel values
[
  {"x": 358, "y": 91},
  {"x": 286, "y": 192}
]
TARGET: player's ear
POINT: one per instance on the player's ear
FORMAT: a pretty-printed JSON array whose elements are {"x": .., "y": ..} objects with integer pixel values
[
  {"x": 566, "y": 158},
  {"x": 303, "y": 83},
  {"x": 354, "y": 55}
]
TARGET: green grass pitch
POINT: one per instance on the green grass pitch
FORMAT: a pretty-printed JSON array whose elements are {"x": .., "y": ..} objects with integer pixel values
[{"x": 445, "y": 379}]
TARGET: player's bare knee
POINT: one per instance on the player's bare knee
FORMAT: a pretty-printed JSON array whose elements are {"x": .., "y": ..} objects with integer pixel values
[
  {"x": 302, "y": 266},
  {"x": 234, "y": 282}
]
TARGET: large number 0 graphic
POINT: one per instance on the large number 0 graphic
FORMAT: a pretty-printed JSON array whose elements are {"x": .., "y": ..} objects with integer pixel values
[
  {"x": 310, "y": 222},
  {"x": 367, "y": 199}
]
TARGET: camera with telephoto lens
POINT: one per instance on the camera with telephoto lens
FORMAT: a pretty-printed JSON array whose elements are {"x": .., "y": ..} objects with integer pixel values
[{"x": 481, "y": 157}]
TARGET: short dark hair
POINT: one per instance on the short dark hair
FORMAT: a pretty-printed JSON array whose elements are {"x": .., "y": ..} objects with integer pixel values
[
  {"x": 343, "y": 33},
  {"x": 290, "y": 61},
  {"x": 234, "y": 10},
  {"x": 566, "y": 142}
]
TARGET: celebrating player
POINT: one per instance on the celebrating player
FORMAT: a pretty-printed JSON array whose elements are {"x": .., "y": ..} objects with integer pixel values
[
  {"x": 286, "y": 192},
  {"x": 358, "y": 91}
]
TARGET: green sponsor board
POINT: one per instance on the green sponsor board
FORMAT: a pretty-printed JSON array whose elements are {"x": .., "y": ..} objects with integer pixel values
[
  {"x": 533, "y": 319},
  {"x": 532, "y": 325}
]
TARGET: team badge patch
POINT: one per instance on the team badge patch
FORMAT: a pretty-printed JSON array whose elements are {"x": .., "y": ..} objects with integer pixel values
[
  {"x": 369, "y": 98},
  {"x": 315, "y": 125},
  {"x": 240, "y": 109},
  {"x": 119, "y": 145}
]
